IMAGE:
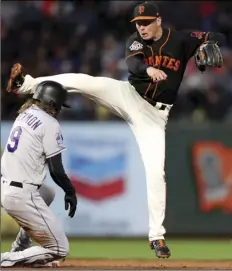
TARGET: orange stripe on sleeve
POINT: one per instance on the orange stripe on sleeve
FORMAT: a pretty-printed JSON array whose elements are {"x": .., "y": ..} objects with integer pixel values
[{"x": 137, "y": 53}]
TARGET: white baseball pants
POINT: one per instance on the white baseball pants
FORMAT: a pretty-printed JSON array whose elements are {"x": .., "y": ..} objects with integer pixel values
[
  {"x": 29, "y": 210},
  {"x": 147, "y": 123},
  {"x": 22, "y": 240}
]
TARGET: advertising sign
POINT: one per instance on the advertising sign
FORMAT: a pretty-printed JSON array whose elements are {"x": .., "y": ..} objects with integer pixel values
[{"x": 102, "y": 163}]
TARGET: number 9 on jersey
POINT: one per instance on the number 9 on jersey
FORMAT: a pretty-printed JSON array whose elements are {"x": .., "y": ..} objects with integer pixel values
[{"x": 14, "y": 139}]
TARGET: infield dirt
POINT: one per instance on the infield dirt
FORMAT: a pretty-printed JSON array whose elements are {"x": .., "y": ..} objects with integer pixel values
[{"x": 107, "y": 264}]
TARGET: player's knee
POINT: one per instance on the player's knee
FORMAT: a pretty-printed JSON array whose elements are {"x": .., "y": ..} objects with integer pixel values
[{"x": 63, "y": 248}]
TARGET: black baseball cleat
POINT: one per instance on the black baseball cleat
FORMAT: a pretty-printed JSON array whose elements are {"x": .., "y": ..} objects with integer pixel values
[{"x": 161, "y": 249}]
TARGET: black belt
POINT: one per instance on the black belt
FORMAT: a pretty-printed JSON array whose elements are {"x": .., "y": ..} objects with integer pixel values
[
  {"x": 16, "y": 184},
  {"x": 154, "y": 103},
  {"x": 20, "y": 185}
]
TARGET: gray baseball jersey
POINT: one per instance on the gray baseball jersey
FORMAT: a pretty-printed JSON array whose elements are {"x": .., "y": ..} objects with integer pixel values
[{"x": 34, "y": 137}]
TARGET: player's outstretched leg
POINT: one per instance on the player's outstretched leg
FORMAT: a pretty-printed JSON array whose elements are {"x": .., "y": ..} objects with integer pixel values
[{"x": 23, "y": 241}]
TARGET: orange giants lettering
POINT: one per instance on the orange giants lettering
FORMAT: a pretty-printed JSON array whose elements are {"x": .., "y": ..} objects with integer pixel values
[
  {"x": 163, "y": 61},
  {"x": 158, "y": 60},
  {"x": 176, "y": 65}
]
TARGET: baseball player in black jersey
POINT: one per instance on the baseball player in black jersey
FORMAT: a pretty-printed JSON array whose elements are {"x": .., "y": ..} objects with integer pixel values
[
  {"x": 156, "y": 59},
  {"x": 160, "y": 54}
]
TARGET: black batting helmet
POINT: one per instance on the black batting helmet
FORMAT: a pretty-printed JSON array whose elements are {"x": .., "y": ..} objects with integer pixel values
[{"x": 51, "y": 93}]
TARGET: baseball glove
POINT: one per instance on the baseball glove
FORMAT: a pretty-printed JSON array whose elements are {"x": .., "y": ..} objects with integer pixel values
[
  {"x": 16, "y": 78},
  {"x": 208, "y": 55}
]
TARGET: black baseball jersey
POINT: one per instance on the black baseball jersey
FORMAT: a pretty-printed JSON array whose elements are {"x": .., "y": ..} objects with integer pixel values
[{"x": 170, "y": 53}]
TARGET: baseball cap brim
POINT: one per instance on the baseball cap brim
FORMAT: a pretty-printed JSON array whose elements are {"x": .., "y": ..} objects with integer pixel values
[{"x": 143, "y": 18}]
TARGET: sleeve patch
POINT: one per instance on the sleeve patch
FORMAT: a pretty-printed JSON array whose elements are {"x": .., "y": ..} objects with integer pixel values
[
  {"x": 59, "y": 139},
  {"x": 135, "y": 46},
  {"x": 197, "y": 34}
]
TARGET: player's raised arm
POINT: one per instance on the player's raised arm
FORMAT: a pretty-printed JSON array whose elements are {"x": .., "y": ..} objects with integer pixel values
[{"x": 192, "y": 40}]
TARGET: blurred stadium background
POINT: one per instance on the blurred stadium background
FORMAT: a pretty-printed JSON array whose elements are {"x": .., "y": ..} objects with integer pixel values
[{"x": 51, "y": 37}]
